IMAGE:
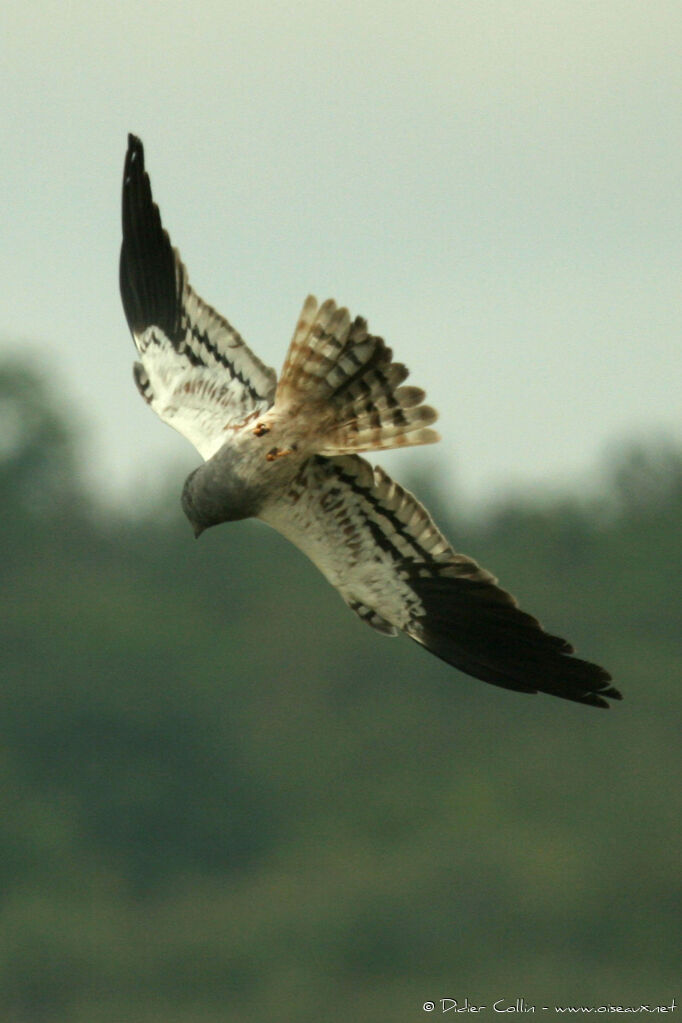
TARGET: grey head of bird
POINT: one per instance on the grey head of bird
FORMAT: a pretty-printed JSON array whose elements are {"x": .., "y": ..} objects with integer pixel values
[{"x": 215, "y": 493}]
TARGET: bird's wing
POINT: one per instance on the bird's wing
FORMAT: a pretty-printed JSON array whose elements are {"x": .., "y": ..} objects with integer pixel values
[
  {"x": 196, "y": 372},
  {"x": 379, "y": 546}
]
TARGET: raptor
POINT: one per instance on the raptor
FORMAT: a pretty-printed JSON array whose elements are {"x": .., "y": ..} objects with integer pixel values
[{"x": 287, "y": 451}]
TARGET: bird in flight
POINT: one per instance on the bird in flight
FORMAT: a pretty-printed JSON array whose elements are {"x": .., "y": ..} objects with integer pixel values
[{"x": 287, "y": 452}]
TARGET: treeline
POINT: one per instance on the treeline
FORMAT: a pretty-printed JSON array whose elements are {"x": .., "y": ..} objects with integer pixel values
[{"x": 224, "y": 798}]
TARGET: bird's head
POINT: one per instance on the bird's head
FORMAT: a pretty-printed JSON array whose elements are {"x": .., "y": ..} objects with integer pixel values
[
  {"x": 197, "y": 505},
  {"x": 214, "y": 493}
]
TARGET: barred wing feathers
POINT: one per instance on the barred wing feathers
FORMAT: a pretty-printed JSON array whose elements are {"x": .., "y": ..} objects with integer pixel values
[
  {"x": 380, "y": 548},
  {"x": 196, "y": 372}
]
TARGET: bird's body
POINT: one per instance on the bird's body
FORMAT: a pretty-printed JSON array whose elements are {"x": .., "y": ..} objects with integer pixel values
[{"x": 287, "y": 452}]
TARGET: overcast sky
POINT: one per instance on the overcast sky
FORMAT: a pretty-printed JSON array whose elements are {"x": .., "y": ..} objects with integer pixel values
[{"x": 494, "y": 185}]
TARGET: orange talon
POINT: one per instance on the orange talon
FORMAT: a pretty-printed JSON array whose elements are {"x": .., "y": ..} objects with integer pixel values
[
  {"x": 277, "y": 453},
  {"x": 261, "y": 430}
]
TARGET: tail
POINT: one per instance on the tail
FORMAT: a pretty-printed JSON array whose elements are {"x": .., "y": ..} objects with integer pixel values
[{"x": 334, "y": 362}]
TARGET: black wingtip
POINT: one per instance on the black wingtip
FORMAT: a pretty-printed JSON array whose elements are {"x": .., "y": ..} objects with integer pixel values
[
  {"x": 147, "y": 269},
  {"x": 134, "y": 161},
  {"x": 611, "y": 692},
  {"x": 478, "y": 628}
]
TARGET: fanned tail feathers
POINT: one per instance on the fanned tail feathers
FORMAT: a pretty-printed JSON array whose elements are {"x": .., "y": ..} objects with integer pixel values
[{"x": 336, "y": 363}]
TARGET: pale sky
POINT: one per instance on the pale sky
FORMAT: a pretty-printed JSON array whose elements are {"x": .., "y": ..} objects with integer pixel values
[{"x": 494, "y": 185}]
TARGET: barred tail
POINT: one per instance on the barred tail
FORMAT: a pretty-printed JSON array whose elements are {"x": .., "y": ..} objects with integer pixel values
[{"x": 336, "y": 363}]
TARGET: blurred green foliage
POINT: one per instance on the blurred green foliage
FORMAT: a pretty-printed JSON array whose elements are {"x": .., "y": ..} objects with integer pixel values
[{"x": 224, "y": 798}]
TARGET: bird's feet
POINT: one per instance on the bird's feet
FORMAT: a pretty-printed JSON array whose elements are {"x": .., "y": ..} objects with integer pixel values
[
  {"x": 261, "y": 430},
  {"x": 274, "y": 453}
]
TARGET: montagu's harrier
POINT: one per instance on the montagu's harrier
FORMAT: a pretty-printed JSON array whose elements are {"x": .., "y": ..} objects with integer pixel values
[{"x": 286, "y": 452}]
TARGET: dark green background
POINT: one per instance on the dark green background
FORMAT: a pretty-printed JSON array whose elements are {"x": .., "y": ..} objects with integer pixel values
[{"x": 224, "y": 798}]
